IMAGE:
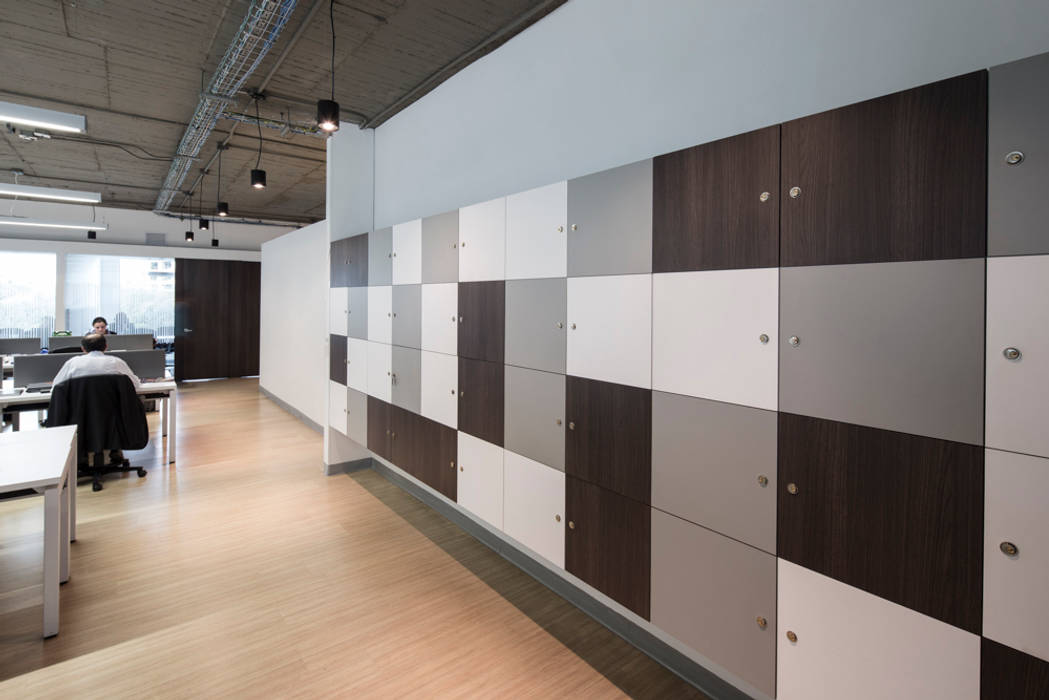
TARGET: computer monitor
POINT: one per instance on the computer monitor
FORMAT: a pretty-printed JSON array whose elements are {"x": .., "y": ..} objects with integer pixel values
[
  {"x": 135, "y": 341},
  {"x": 57, "y": 342},
  {"x": 19, "y": 346},
  {"x": 146, "y": 364},
  {"x": 36, "y": 369}
]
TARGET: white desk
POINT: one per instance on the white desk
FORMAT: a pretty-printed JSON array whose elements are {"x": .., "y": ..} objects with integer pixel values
[
  {"x": 166, "y": 391},
  {"x": 45, "y": 460}
]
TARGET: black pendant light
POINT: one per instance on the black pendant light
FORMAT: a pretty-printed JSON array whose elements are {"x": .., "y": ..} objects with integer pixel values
[
  {"x": 221, "y": 208},
  {"x": 214, "y": 242},
  {"x": 189, "y": 234},
  {"x": 328, "y": 110},
  {"x": 204, "y": 223},
  {"x": 258, "y": 176}
]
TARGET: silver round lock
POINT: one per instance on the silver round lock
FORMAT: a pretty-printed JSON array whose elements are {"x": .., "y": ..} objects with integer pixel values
[
  {"x": 558, "y": 421},
  {"x": 792, "y": 489},
  {"x": 560, "y": 229},
  {"x": 574, "y": 227},
  {"x": 764, "y": 196},
  {"x": 573, "y": 326},
  {"x": 1011, "y": 353},
  {"x": 763, "y": 480},
  {"x": 1014, "y": 157},
  {"x": 463, "y": 244},
  {"x": 560, "y": 325},
  {"x": 795, "y": 192},
  {"x": 453, "y": 319},
  {"x": 764, "y": 338},
  {"x": 1009, "y": 549},
  {"x": 795, "y": 341}
]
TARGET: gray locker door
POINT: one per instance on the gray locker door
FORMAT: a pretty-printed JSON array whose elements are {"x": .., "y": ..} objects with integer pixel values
[
  {"x": 715, "y": 464},
  {"x": 898, "y": 346},
  {"x": 441, "y": 248},
  {"x": 357, "y": 416},
  {"x": 380, "y": 257},
  {"x": 407, "y": 315},
  {"x": 536, "y": 313},
  {"x": 610, "y": 221},
  {"x": 406, "y": 378},
  {"x": 1018, "y": 123},
  {"x": 535, "y": 412},
  {"x": 716, "y": 595},
  {"x": 357, "y": 320}
]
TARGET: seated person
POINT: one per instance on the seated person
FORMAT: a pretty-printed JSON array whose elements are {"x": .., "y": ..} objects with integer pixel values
[{"x": 101, "y": 327}]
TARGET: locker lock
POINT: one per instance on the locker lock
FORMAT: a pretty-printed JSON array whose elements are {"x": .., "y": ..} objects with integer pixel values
[
  {"x": 1009, "y": 549},
  {"x": 764, "y": 338},
  {"x": 571, "y": 425},
  {"x": 1014, "y": 157},
  {"x": 1011, "y": 353},
  {"x": 571, "y": 525},
  {"x": 557, "y": 518},
  {"x": 560, "y": 325},
  {"x": 795, "y": 192},
  {"x": 792, "y": 489},
  {"x": 460, "y": 467},
  {"x": 795, "y": 341},
  {"x": 575, "y": 227},
  {"x": 763, "y": 480},
  {"x": 792, "y": 637},
  {"x": 762, "y": 622},
  {"x": 764, "y": 196},
  {"x": 560, "y": 229},
  {"x": 558, "y": 421},
  {"x": 573, "y": 326},
  {"x": 461, "y": 393},
  {"x": 452, "y": 465}
]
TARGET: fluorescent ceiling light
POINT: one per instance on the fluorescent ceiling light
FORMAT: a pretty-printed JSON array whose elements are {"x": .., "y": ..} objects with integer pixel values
[
  {"x": 39, "y": 223},
  {"x": 49, "y": 193},
  {"x": 42, "y": 118}
]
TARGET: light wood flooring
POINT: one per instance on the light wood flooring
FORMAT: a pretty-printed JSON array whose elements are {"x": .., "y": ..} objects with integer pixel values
[{"x": 243, "y": 571}]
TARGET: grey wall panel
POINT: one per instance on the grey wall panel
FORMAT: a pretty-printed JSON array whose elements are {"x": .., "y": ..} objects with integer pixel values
[
  {"x": 380, "y": 257},
  {"x": 357, "y": 320},
  {"x": 534, "y": 308},
  {"x": 712, "y": 593},
  {"x": 407, "y": 315},
  {"x": 534, "y": 419},
  {"x": 406, "y": 390},
  {"x": 1018, "y": 120},
  {"x": 610, "y": 221},
  {"x": 708, "y": 460},
  {"x": 898, "y": 346},
  {"x": 357, "y": 416},
  {"x": 441, "y": 248}
]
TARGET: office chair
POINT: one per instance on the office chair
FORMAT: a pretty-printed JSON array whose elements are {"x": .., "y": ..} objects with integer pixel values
[{"x": 108, "y": 415}]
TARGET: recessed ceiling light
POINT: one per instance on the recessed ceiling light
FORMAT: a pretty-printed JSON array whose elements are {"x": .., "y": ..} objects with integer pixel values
[
  {"x": 42, "y": 118},
  {"x": 60, "y": 195}
]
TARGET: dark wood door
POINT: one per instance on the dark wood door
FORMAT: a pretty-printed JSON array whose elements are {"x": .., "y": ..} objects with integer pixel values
[
  {"x": 609, "y": 543},
  {"x": 482, "y": 325},
  {"x": 1008, "y": 674},
  {"x": 708, "y": 207},
  {"x": 897, "y": 515},
  {"x": 216, "y": 318},
  {"x": 901, "y": 177},
  {"x": 609, "y": 436},
  {"x": 337, "y": 358},
  {"x": 436, "y": 459},
  {"x": 379, "y": 427},
  {"x": 405, "y": 439},
  {"x": 348, "y": 259},
  {"x": 481, "y": 392}
]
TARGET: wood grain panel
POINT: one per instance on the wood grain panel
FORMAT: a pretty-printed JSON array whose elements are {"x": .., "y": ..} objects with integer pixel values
[
  {"x": 901, "y": 177},
  {"x": 348, "y": 261},
  {"x": 609, "y": 436},
  {"x": 379, "y": 427},
  {"x": 435, "y": 461},
  {"x": 609, "y": 543},
  {"x": 481, "y": 395},
  {"x": 482, "y": 320},
  {"x": 707, "y": 212},
  {"x": 1008, "y": 674},
  {"x": 337, "y": 358},
  {"x": 896, "y": 515},
  {"x": 243, "y": 318}
]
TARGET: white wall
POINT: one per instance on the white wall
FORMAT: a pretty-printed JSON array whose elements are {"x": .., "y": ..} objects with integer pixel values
[
  {"x": 601, "y": 83},
  {"x": 293, "y": 340},
  {"x": 130, "y": 227},
  {"x": 350, "y": 183}
]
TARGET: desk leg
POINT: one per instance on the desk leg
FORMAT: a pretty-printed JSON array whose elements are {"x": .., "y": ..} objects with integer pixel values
[
  {"x": 164, "y": 408},
  {"x": 72, "y": 496},
  {"x": 16, "y": 421},
  {"x": 64, "y": 533},
  {"x": 172, "y": 407},
  {"x": 52, "y": 556}
]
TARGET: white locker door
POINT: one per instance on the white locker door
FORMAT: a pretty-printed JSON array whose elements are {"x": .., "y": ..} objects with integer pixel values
[
  {"x": 1018, "y": 319},
  {"x": 440, "y": 384},
  {"x": 408, "y": 252},
  {"x": 534, "y": 506},
  {"x": 480, "y": 486},
  {"x": 536, "y": 233},
  {"x": 1016, "y": 552},
  {"x": 482, "y": 241},
  {"x": 610, "y": 329},
  {"x": 357, "y": 364},
  {"x": 851, "y": 644},
  {"x": 440, "y": 306},
  {"x": 337, "y": 418},
  {"x": 380, "y": 367},
  {"x": 714, "y": 335},
  {"x": 380, "y": 314},
  {"x": 338, "y": 308}
]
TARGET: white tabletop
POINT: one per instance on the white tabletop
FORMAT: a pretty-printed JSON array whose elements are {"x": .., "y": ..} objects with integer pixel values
[
  {"x": 160, "y": 387},
  {"x": 35, "y": 458}
]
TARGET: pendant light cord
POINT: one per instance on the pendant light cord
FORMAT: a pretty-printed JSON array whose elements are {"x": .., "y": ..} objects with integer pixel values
[
  {"x": 258, "y": 123},
  {"x": 218, "y": 184},
  {"x": 331, "y": 16}
]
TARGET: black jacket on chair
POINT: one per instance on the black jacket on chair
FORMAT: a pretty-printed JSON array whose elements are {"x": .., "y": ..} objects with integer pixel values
[{"x": 106, "y": 410}]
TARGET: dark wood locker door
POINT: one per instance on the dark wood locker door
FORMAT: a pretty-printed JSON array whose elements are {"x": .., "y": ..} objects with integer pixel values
[
  {"x": 405, "y": 439},
  {"x": 716, "y": 206},
  {"x": 349, "y": 262},
  {"x": 436, "y": 461},
  {"x": 379, "y": 427},
  {"x": 900, "y": 177},
  {"x": 897, "y": 515},
  {"x": 337, "y": 358},
  {"x": 608, "y": 543},
  {"x": 482, "y": 320},
  {"x": 1008, "y": 674},
  {"x": 481, "y": 393},
  {"x": 609, "y": 436}
]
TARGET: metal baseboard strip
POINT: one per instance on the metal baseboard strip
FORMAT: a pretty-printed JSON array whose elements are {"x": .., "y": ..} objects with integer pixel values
[{"x": 291, "y": 409}]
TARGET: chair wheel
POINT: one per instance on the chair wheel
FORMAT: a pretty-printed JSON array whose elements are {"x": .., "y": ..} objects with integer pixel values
[
  {"x": 95, "y": 486},
  {"x": 141, "y": 472}
]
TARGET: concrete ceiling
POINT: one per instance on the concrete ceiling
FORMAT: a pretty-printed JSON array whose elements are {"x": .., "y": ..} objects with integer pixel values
[{"x": 135, "y": 69}]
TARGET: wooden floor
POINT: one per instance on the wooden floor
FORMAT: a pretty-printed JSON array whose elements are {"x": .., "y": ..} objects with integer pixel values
[{"x": 243, "y": 571}]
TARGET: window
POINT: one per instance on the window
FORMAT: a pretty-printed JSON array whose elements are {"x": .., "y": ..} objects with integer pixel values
[
  {"x": 27, "y": 295},
  {"x": 136, "y": 295}
]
